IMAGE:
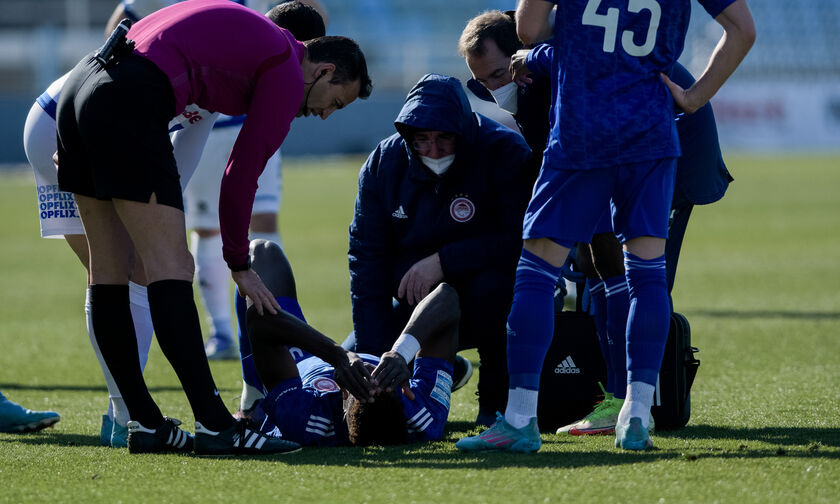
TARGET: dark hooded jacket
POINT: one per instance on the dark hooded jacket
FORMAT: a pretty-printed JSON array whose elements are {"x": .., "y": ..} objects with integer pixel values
[{"x": 471, "y": 215}]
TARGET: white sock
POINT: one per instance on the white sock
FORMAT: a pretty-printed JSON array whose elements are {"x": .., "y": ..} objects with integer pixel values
[
  {"x": 250, "y": 395},
  {"x": 142, "y": 318},
  {"x": 274, "y": 237},
  {"x": 521, "y": 406},
  {"x": 117, "y": 410},
  {"x": 213, "y": 281},
  {"x": 637, "y": 404}
]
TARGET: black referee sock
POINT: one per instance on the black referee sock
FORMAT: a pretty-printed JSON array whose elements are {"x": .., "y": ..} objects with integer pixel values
[
  {"x": 113, "y": 329},
  {"x": 179, "y": 335}
]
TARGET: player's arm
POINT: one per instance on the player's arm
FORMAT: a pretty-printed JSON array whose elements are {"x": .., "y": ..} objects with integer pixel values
[
  {"x": 738, "y": 37},
  {"x": 432, "y": 331},
  {"x": 267, "y": 123},
  {"x": 272, "y": 334},
  {"x": 533, "y": 22}
]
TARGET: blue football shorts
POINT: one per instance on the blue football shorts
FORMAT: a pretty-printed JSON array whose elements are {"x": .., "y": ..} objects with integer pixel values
[
  {"x": 431, "y": 384},
  {"x": 568, "y": 204}
]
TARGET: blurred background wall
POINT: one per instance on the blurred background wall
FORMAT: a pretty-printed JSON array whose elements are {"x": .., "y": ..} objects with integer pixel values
[{"x": 784, "y": 97}]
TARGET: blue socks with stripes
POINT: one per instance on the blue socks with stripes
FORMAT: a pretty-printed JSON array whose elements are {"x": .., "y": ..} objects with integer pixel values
[
  {"x": 649, "y": 317},
  {"x": 618, "y": 306},
  {"x": 530, "y": 330},
  {"x": 610, "y": 304}
]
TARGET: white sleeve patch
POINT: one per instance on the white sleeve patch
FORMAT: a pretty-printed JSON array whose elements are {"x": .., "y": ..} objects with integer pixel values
[{"x": 443, "y": 388}]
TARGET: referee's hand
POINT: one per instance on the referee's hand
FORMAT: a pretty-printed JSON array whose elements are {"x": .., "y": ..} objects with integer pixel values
[{"x": 251, "y": 285}]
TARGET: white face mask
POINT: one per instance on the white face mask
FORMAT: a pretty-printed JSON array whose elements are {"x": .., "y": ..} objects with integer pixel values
[
  {"x": 506, "y": 97},
  {"x": 440, "y": 165}
]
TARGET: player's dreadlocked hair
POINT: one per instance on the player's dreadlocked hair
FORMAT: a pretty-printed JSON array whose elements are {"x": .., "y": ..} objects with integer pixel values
[{"x": 381, "y": 422}]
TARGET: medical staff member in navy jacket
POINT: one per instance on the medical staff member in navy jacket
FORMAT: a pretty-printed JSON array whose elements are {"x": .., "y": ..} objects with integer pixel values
[{"x": 441, "y": 200}]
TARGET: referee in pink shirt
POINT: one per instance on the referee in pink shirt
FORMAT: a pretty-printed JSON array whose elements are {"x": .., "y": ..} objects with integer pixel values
[{"x": 115, "y": 156}]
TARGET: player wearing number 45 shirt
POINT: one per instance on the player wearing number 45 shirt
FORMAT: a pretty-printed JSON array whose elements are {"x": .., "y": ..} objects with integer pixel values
[
  {"x": 321, "y": 394},
  {"x": 613, "y": 140}
]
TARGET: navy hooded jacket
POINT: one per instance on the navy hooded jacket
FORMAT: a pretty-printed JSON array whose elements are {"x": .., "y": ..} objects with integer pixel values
[{"x": 471, "y": 215}]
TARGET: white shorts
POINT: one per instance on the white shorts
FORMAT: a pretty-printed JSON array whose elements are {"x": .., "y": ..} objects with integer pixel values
[
  {"x": 201, "y": 197},
  {"x": 56, "y": 209}
]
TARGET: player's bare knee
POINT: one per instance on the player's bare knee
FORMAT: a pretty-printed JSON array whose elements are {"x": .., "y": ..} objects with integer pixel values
[
  {"x": 269, "y": 261},
  {"x": 646, "y": 247},
  {"x": 206, "y": 233},
  {"x": 547, "y": 250},
  {"x": 447, "y": 304},
  {"x": 169, "y": 266},
  {"x": 264, "y": 222}
]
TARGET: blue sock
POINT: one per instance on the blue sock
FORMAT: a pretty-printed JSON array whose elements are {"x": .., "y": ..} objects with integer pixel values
[
  {"x": 649, "y": 317},
  {"x": 531, "y": 320},
  {"x": 249, "y": 371},
  {"x": 618, "y": 306},
  {"x": 598, "y": 309}
]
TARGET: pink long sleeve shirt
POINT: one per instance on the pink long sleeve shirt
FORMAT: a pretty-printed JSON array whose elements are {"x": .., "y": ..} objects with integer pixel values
[{"x": 227, "y": 58}]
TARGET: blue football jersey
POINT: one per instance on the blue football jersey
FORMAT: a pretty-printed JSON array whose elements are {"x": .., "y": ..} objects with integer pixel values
[
  {"x": 612, "y": 106},
  {"x": 309, "y": 409}
]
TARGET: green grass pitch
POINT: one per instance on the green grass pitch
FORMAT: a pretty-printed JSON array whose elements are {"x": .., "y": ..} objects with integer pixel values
[{"x": 758, "y": 280}]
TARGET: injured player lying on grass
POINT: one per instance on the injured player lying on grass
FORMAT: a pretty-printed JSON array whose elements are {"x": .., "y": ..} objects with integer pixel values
[{"x": 319, "y": 394}]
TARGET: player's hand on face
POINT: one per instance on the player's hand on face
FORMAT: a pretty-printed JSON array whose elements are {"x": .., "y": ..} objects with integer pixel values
[
  {"x": 353, "y": 375},
  {"x": 682, "y": 98},
  {"x": 518, "y": 71},
  {"x": 420, "y": 279},
  {"x": 391, "y": 373},
  {"x": 251, "y": 285}
]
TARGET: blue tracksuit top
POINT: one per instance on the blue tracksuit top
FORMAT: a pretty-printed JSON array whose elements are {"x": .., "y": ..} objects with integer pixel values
[{"x": 471, "y": 215}]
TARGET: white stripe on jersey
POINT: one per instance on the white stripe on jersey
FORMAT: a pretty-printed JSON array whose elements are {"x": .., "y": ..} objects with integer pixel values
[
  {"x": 419, "y": 421},
  {"x": 426, "y": 424},
  {"x": 416, "y": 418}
]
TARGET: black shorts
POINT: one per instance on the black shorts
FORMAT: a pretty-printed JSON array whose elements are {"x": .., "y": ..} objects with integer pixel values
[{"x": 113, "y": 132}]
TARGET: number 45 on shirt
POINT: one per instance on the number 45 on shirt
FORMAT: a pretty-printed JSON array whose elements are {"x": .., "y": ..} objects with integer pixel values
[{"x": 609, "y": 22}]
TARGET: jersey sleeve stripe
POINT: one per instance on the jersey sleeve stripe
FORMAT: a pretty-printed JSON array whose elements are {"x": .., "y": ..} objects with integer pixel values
[
  {"x": 48, "y": 104},
  {"x": 417, "y": 415}
]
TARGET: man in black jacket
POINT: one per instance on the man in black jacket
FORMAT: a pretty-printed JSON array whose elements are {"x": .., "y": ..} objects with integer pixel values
[{"x": 441, "y": 200}]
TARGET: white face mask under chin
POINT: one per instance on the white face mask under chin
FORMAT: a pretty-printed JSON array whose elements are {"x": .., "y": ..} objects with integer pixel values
[
  {"x": 506, "y": 97},
  {"x": 440, "y": 165}
]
